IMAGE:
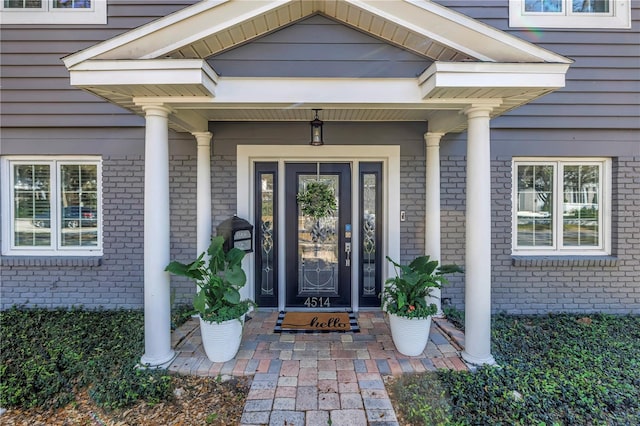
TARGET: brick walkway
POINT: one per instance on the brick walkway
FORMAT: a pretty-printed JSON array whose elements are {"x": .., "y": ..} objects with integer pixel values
[{"x": 309, "y": 379}]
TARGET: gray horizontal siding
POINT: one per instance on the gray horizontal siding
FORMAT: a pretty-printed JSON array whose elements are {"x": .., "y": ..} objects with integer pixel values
[
  {"x": 602, "y": 86},
  {"x": 35, "y": 84},
  {"x": 602, "y": 92},
  {"x": 318, "y": 47}
]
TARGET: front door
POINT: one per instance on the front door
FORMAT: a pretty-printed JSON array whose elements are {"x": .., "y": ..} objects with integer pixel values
[{"x": 318, "y": 250}]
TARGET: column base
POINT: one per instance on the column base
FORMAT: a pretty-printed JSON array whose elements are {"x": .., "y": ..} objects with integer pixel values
[
  {"x": 157, "y": 363},
  {"x": 477, "y": 361}
]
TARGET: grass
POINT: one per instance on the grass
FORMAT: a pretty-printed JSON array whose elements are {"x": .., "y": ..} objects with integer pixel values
[
  {"x": 47, "y": 355},
  {"x": 553, "y": 370}
]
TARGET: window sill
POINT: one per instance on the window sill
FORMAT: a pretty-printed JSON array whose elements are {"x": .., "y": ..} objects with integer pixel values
[
  {"x": 564, "y": 261},
  {"x": 65, "y": 261}
]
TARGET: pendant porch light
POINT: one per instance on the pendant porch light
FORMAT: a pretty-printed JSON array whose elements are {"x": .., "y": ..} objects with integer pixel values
[{"x": 316, "y": 130}]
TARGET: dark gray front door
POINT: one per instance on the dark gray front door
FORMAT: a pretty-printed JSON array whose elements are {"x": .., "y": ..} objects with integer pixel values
[{"x": 318, "y": 251}]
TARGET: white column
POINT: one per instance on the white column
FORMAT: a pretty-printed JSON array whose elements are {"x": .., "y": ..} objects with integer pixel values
[
  {"x": 203, "y": 206},
  {"x": 478, "y": 239},
  {"x": 432, "y": 208},
  {"x": 157, "y": 305}
]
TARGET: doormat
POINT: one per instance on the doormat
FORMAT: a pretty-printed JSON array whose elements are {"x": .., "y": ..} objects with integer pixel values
[{"x": 316, "y": 322}]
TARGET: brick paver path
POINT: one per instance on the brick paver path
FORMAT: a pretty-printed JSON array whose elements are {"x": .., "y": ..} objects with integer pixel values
[{"x": 311, "y": 379}]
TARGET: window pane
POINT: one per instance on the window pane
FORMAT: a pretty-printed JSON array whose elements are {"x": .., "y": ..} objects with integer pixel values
[
  {"x": 318, "y": 243},
  {"x": 79, "y": 205},
  {"x": 23, "y": 4},
  {"x": 580, "y": 208},
  {"x": 31, "y": 205},
  {"x": 591, "y": 6},
  {"x": 535, "y": 205},
  {"x": 267, "y": 267},
  {"x": 72, "y": 4},
  {"x": 543, "y": 5},
  {"x": 370, "y": 212},
  {"x": 369, "y": 193}
]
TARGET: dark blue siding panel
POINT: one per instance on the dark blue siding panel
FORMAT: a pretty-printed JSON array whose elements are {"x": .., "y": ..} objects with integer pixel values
[
  {"x": 603, "y": 85},
  {"x": 35, "y": 84},
  {"x": 318, "y": 47}
]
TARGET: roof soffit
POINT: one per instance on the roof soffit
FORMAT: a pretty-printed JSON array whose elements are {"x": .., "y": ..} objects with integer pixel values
[{"x": 420, "y": 26}]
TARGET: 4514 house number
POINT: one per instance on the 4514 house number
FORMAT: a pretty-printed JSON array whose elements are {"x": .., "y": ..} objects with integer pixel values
[{"x": 317, "y": 302}]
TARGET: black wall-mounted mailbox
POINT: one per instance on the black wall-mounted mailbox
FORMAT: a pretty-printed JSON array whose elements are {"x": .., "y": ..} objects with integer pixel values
[{"x": 238, "y": 233}]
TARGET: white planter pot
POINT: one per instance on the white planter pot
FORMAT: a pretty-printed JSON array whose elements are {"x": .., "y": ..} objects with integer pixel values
[
  {"x": 221, "y": 341},
  {"x": 410, "y": 335}
]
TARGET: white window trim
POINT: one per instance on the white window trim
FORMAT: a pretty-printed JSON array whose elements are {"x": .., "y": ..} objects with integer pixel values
[
  {"x": 6, "y": 208},
  {"x": 52, "y": 16},
  {"x": 619, "y": 17},
  {"x": 605, "y": 208}
]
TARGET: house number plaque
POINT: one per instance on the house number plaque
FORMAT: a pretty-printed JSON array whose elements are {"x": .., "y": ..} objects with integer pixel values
[{"x": 317, "y": 302}]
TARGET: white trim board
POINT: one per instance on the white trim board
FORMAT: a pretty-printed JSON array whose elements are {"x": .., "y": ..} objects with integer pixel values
[
  {"x": 247, "y": 155},
  {"x": 243, "y": 21}
]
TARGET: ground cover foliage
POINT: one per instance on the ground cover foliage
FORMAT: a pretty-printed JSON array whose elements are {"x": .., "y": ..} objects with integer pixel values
[
  {"x": 47, "y": 355},
  {"x": 553, "y": 370},
  {"x": 76, "y": 366}
]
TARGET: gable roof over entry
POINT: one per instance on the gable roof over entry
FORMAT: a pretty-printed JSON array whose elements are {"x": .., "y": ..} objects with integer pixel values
[{"x": 165, "y": 62}]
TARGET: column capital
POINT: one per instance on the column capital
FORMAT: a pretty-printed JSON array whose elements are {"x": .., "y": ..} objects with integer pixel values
[
  {"x": 203, "y": 138},
  {"x": 157, "y": 109},
  {"x": 433, "y": 138},
  {"x": 479, "y": 110}
]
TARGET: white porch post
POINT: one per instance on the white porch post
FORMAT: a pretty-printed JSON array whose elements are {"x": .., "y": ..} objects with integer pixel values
[
  {"x": 478, "y": 239},
  {"x": 203, "y": 207},
  {"x": 157, "y": 305},
  {"x": 432, "y": 208}
]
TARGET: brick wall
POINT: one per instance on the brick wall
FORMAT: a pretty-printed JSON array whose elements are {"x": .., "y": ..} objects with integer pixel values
[
  {"x": 116, "y": 279},
  {"x": 412, "y": 201},
  {"x": 524, "y": 286},
  {"x": 534, "y": 286}
]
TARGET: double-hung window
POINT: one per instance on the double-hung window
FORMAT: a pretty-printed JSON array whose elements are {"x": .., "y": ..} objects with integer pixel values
[
  {"x": 570, "y": 13},
  {"x": 53, "y": 11},
  {"x": 561, "y": 206},
  {"x": 52, "y": 206}
]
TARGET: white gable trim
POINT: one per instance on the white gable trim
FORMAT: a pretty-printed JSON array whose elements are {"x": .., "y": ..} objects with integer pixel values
[
  {"x": 483, "y": 29},
  {"x": 422, "y": 17},
  {"x": 459, "y": 31},
  {"x": 140, "y": 32}
]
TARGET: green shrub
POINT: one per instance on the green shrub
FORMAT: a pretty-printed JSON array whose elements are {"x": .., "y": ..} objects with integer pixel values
[
  {"x": 553, "y": 370},
  {"x": 46, "y": 355}
]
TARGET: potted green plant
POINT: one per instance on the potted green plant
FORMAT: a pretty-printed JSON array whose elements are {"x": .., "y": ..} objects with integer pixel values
[
  {"x": 406, "y": 300},
  {"x": 219, "y": 277}
]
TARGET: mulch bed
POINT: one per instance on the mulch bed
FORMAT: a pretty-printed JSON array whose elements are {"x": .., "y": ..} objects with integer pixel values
[{"x": 196, "y": 401}]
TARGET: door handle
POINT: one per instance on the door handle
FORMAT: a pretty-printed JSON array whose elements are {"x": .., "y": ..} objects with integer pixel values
[{"x": 347, "y": 252}]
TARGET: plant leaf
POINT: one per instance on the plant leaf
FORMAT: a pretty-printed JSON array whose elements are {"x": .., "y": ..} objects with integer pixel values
[
  {"x": 235, "y": 256},
  {"x": 200, "y": 301},
  {"x": 236, "y": 276},
  {"x": 232, "y": 296}
]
